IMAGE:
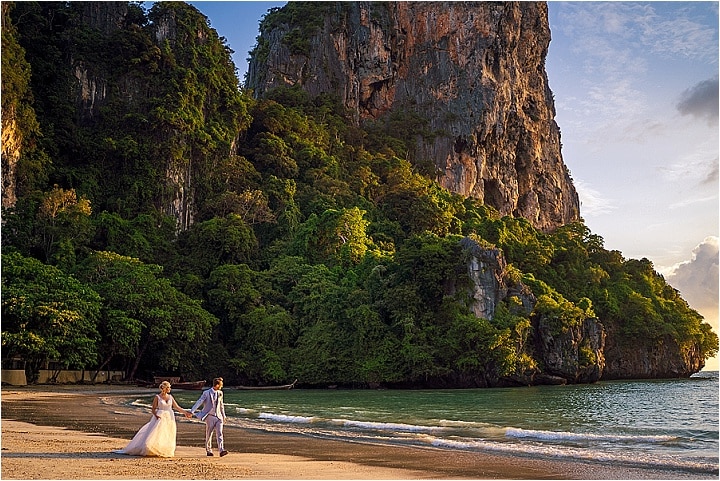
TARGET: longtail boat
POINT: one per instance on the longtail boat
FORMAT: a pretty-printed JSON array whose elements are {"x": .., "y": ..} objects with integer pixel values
[
  {"x": 254, "y": 388},
  {"x": 191, "y": 385}
]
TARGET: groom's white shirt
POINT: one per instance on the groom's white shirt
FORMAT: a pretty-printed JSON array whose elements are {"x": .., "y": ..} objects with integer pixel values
[{"x": 206, "y": 401}]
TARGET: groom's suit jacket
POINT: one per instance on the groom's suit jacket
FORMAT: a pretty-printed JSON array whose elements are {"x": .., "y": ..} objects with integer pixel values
[{"x": 208, "y": 406}]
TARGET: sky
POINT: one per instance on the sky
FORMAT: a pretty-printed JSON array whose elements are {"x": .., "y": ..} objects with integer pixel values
[{"x": 636, "y": 98}]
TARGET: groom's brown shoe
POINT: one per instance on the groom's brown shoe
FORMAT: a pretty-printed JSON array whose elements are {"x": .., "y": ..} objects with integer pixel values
[
  {"x": 209, "y": 453},
  {"x": 223, "y": 453}
]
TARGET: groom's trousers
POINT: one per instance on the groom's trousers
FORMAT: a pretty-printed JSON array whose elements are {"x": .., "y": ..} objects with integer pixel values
[{"x": 214, "y": 424}]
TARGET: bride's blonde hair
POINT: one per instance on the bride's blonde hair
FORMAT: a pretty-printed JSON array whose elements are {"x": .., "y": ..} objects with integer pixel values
[{"x": 164, "y": 385}]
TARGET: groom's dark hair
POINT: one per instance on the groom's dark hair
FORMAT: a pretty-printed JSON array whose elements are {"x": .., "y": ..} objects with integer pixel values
[{"x": 217, "y": 381}]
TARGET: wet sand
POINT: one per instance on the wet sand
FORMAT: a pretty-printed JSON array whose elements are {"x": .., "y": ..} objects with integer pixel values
[{"x": 70, "y": 432}]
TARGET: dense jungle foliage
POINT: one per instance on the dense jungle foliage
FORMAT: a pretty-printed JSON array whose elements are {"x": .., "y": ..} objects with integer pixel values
[{"x": 317, "y": 251}]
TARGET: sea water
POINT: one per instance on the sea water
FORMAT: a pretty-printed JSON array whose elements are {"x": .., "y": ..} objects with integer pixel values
[{"x": 659, "y": 424}]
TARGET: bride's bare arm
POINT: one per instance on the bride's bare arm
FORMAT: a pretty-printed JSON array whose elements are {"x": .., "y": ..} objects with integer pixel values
[{"x": 179, "y": 408}]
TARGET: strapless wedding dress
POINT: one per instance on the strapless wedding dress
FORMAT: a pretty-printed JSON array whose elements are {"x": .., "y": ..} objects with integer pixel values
[{"x": 158, "y": 436}]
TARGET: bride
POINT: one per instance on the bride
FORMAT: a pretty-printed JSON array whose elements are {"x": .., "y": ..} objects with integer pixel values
[{"x": 157, "y": 437}]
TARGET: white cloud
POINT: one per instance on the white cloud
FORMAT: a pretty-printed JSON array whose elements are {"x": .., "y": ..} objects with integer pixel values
[
  {"x": 606, "y": 29},
  {"x": 617, "y": 98},
  {"x": 592, "y": 202},
  {"x": 681, "y": 37},
  {"x": 692, "y": 201},
  {"x": 697, "y": 279},
  {"x": 674, "y": 32},
  {"x": 602, "y": 34},
  {"x": 692, "y": 168},
  {"x": 642, "y": 131}
]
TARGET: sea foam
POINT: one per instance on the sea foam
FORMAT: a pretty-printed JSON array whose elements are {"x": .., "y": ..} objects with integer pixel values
[{"x": 568, "y": 436}]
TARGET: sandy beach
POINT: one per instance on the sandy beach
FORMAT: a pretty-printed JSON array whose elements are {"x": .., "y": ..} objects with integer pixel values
[{"x": 70, "y": 432}]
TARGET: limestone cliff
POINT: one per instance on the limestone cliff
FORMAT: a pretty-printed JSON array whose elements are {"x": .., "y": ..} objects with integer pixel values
[
  {"x": 474, "y": 70},
  {"x": 130, "y": 86},
  {"x": 91, "y": 87},
  {"x": 12, "y": 135},
  {"x": 575, "y": 355},
  {"x": 11, "y": 150},
  {"x": 92, "y": 94},
  {"x": 19, "y": 124}
]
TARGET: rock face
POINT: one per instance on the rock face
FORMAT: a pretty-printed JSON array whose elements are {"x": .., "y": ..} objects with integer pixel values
[
  {"x": 627, "y": 360},
  {"x": 489, "y": 281},
  {"x": 11, "y": 150},
  {"x": 104, "y": 16},
  {"x": 91, "y": 90},
  {"x": 12, "y": 135},
  {"x": 474, "y": 70},
  {"x": 91, "y": 86},
  {"x": 576, "y": 355},
  {"x": 573, "y": 355}
]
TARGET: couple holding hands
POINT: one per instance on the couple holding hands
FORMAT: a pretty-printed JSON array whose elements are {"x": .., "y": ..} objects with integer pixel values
[{"x": 158, "y": 436}]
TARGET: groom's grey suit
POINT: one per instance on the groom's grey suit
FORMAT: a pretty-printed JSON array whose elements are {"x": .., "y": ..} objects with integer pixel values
[{"x": 213, "y": 413}]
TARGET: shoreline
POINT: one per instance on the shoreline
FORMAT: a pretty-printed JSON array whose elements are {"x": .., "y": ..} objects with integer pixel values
[{"x": 36, "y": 444}]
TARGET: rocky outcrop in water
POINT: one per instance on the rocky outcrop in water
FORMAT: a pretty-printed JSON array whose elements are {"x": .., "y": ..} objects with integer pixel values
[
  {"x": 637, "y": 360},
  {"x": 587, "y": 350},
  {"x": 474, "y": 70},
  {"x": 575, "y": 354}
]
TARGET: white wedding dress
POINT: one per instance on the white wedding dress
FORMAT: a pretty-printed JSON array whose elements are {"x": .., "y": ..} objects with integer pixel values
[{"x": 158, "y": 436}]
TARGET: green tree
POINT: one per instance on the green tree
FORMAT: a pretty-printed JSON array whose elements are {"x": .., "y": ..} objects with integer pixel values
[
  {"x": 415, "y": 202},
  {"x": 264, "y": 339},
  {"x": 150, "y": 237},
  {"x": 175, "y": 328},
  {"x": 231, "y": 293},
  {"x": 47, "y": 316},
  {"x": 220, "y": 240},
  {"x": 335, "y": 237},
  {"x": 51, "y": 225}
]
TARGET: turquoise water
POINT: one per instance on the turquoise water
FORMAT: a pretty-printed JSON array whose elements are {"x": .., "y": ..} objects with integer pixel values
[{"x": 670, "y": 424}]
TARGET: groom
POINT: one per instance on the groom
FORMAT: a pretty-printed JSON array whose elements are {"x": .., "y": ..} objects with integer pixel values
[{"x": 213, "y": 413}]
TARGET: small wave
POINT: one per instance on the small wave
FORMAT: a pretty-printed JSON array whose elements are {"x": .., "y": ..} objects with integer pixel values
[
  {"x": 463, "y": 424},
  {"x": 473, "y": 427},
  {"x": 351, "y": 423},
  {"x": 379, "y": 426},
  {"x": 286, "y": 418},
  {"x": 568, "y": 436},
  {"x": 236, "y": 408}
]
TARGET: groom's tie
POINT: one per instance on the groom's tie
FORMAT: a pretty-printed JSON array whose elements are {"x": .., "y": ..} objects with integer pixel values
[{"x": 217, "y": 405}]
